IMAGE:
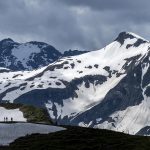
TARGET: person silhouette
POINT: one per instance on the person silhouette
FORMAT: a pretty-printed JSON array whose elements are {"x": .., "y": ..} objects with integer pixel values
[
  {"x": 11, "y": 119},
  {"x": 6, "y": 119}
]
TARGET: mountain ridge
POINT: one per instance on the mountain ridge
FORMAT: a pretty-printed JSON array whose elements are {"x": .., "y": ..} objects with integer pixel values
[
  {"x": 30, "y": 55},
  {"x": 106, "y": 88}
]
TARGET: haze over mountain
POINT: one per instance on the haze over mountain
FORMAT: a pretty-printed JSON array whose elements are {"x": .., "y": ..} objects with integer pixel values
[{"x": 106, "y": 88}]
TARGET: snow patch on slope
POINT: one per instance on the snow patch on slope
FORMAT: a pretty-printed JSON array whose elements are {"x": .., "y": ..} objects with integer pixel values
[
  {"x": 137, "y": 36},
  {"x": 23, "y": 52},
  {"x": 16, "y": 114},
  {"x": 87, "y": 98},
  {"x": 130, "y": 120},
  {"x": 11, "y": 132}
]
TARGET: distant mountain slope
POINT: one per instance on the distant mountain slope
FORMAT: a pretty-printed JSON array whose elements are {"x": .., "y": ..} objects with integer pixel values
[
  {"x": 107, "y": 88},
  {"x": 26, "y": 56},
  {"x": 30, "y": 55}
]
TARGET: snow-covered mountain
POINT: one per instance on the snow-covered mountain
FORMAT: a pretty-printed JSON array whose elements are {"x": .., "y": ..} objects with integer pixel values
[
  {"x": 107, "y": 88},
  {"x": 30, "y": 55},
  {"x": 26, "y": 56}
]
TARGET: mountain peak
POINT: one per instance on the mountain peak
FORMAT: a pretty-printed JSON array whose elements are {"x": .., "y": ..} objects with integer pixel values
[
  {"x": 137, "y": 36},
  {"x": 7, "y": 40},
  {"x": 125, "y": 35}
]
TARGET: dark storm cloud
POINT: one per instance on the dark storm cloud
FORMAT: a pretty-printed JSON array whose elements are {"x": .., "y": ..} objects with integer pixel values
[
  {"x": 108, "y": 4},
  {"x": 80, "y": 24}
]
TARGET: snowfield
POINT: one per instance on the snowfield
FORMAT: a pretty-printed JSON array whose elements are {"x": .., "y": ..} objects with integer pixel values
[
  {"x": 11, "y": 132},
  {"x": 16, "y": 114}
]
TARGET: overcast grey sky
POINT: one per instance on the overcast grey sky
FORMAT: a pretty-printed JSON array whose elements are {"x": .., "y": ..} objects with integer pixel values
[{"x": 73, "y": 24}]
